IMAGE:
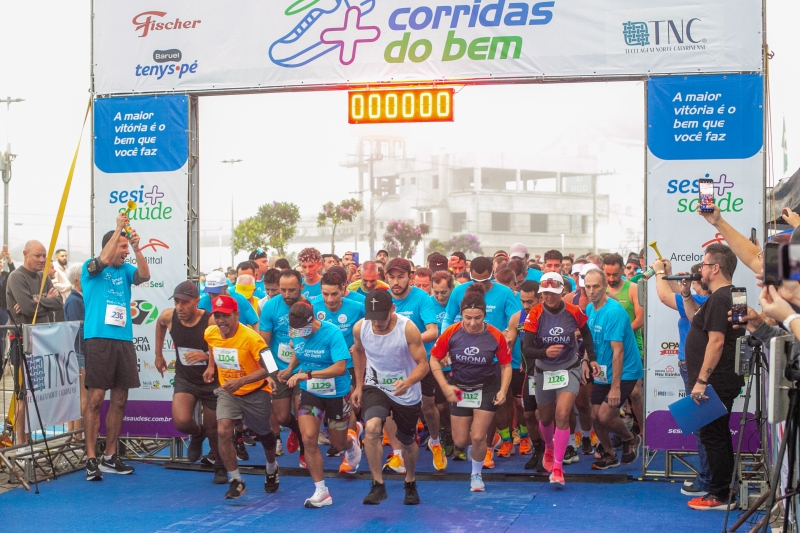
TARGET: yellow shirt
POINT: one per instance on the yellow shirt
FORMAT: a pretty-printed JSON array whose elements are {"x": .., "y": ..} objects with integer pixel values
[
  {"x": 356, "y": 286},
  {"x": 237, "y": 356}
]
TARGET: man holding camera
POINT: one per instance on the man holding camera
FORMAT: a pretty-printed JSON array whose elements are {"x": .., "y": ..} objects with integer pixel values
[{"x": 710, "y": 360}]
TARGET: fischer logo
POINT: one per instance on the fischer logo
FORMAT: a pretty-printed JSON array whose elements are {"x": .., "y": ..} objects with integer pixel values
[
  {"x": 153, "y": 21},
  {"x": 669, "y": 348}
]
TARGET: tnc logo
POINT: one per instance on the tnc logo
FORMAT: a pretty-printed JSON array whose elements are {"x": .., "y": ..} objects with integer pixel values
[
  {"x": 556, "y": 331},
  {"x": 472, "y": 350}
]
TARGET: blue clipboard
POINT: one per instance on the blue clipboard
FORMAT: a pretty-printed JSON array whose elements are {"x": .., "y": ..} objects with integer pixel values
[{"x": 691, "y": 417}]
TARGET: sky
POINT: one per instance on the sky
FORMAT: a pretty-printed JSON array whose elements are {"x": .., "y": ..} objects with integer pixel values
[{"x": 46, "y": 61}]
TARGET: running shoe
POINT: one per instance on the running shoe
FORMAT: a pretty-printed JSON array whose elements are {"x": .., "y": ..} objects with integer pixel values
[
  {"x": 321, "y": 498},
  {"x": 609, "y": 460},
  {"x": 447, "y": 443},
  {"x": 476, "y": 483},
  {"x": 279, "y": 448},
  {"x": 386, "y": 441},
  {"x": 272, "y": 481},
  {"x": 345, "y": 468},
  {"x": 115, "y": 466},
  {"x": 93, "y": 472},
  {"x": 195, "y": 449},
  {"x": 333, "y": 452},
  {"x": 616, "y": 442},
  {"x": 377, "y": 493},
  {"x": 548, "y": 459},
  {"x": 209, "y": 460},
  {"x": 506, "y": 449},
  {"x": 241, "y": 451},
  {"x": 488, "y": 461},
  {"x": 687, "y": 483},
  {"x": 710, "y": 503},
  {"x": 630, "y": 449},
  {"x": 353, "y": 455},
  {"x": 557, "y": 477},
  {"x": 535, "y": 462},
  {"x": 570, "y": 455},
  {"x": 525, "y": 446},
  {"x": 595, "y": 438},
  {"x": 693, "y": 491},
  {"x": 360, "y": 432},
  {"x": 395, "y": 465},
  {"x": 496, "y": 441},
  {"x": 247, "y": 437},
  {"x": 235, "y": 489},
  {"x": 292, "y": 442},
  {"x": 220, "y": 474},
  {"x": 599, "y": 451},
  {"x": 302, "y": 462},
  {"x": 439, "y": 458},
  {"x": 577, "y": 438},
  {"x": 422, "y": 437},
  {"x": 322, "y": 438},
  {"x": 412, "y": 496},
  {"x": 586, "y": 446},
  {"x": 459, "y": 455}
]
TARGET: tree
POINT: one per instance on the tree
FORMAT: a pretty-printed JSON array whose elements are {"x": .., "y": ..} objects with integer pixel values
[
  {"x": 401, "y": 238},
  {"x": 437, "y": 247},
  {"x": 345, "y": 211},
  {"x": 273, "y": 227},
  {"x": 466, "y": 243}
]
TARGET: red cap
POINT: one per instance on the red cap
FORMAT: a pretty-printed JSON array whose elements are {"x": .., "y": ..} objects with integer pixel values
[{"x": 223, "y": 304}]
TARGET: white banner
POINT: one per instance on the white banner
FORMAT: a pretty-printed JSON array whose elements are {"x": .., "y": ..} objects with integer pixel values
[
  {"x": 204, "y": 45},
  {"x": 54, "y": 375}
]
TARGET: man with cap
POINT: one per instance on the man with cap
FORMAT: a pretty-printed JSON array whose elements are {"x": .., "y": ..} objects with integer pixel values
[
  {"x": 108, "y": 333},
  {"x": 259, "y": 258},
  {"x": 389, "y": 360},
  {"x": 437, "y": 262},
  {"x": 633, "y": 271},
  {"x": 216, "y": 286},
  {"x": 187, "y": 324},
  {"x": 382, "y": 257},
  {"x": 239, "y": 356}
]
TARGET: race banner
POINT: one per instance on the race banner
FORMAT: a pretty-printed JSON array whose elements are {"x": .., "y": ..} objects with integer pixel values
[
  {"x": 698, "y": 127},
  {"x": 141, "y": 155},
  {"x": 205, "y": 45},
  {"x": 55, "y": 379}
]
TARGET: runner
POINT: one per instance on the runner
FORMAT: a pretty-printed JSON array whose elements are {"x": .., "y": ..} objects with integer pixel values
[
  {"x": 350, "y": 295},
  {"x": 472, "y": 345},
  {"x": 311, "y": 261},
  {"x": 422, "y": 279},
  {"x": 187, "y": 324},
  {"x": 274, "y": 329},
  {"x": 550, "y": 349},
  {"x": 382, "y": 257},
  {"x": 271, "y": 285},
  {"x": 457, "y": 263},
  {"x": 432, "y": 395},
  {"x": 243, "y": 394},
  {"x": 389, "y": 362},
  {"x": 259, "y": 258},
  {"x": 369, "y": 280},
  {"x": 246, "y": 286},
  {"x": 320, "y": 350},
  {"x": 616, "y": 372},
  {"x": 217, "y": 286}
]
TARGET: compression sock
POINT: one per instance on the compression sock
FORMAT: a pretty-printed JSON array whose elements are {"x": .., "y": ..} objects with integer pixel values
[
  {"x": 561, "y": 442},
  {"x": 523, "y": 431},
  {"x": 505, "y": 434},
  {"x": 547, "y": 435}
]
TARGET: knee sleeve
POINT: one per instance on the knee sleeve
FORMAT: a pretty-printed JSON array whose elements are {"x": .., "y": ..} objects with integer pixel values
[{"x": 268, "y": 441}]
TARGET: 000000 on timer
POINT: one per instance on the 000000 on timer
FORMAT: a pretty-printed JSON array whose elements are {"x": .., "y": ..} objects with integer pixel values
[{"x": 410, "y": 105}]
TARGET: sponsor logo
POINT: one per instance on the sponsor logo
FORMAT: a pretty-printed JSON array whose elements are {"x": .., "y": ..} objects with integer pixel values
[
  {"x": 320, "y": 315},
  {"x": 681, "y": 393},
  {"x": 149, "y": 203},
  {"x": 143, "y": 312},
  {"x": 53, "y": 370},
  {"x": 342, "y": 319},
  {"x": 675, "y": 431},
  {"x": 170, "y": 368},
  {"x": 556, "y": 331},
  {"x": 472, "y": 350},
  {"x": 142, "y": 344},
  {"x": 154, "y": 244},
  {"x": 149, "y": 21},
  {"x": 658, "y": 36},
  {"x": 669, "y": 348},
  {"x": 159, "y": 71},
  {"x": 167, "y": 56},
  {"x": 723, "y": 186},
  {"x": 150, "y": 284},
  {"x": 470, "y": 359},
  {"x": 658, "y": 393},
  {"x": 668, "y": 372}
]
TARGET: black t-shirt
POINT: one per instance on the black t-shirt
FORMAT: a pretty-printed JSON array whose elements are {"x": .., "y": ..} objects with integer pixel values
[{"x": 713, "y": 316}]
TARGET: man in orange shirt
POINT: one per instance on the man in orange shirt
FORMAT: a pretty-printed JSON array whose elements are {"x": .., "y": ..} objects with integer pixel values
[{"x": 237, "y": 355}]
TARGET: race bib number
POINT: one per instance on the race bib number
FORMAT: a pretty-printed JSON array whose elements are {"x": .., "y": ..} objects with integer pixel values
[
  {"x": 182, "y": 355},
  {"x": 531, "y": 386},
  {"x": 386, "y": 379},
  {"x": 321, "y": 387},
  {"x": 557, "y": 379},
  {"x": 602, "y": 377},
  {"x": 115, "y": 315},
  {"x": 471, "y": 399},
  {"x": 227, "y": 358},
  {"x": 285, "y": 353}
]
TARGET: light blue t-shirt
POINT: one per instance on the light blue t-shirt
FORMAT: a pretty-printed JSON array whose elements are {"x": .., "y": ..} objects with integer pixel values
[
  {"x": 501, "y": 303},
  {"x": 247, "y": 315},
  {"x": 684, "y": 324},
  {"x": 345, "y": 318},
  {"x": 440, "y": 311},
  {"x": 312, "y": 291},
  {"x": 356, "y": 297},
  {"x": 321, "y": 350},
  {"x": 536, "y": 275},
  {"x": 275, "y": 319},
  {"x": 516, "y": 353},
  {"x": 611, "y": 323},
  {"x": 416, "y": 307},
  {"x": 260, "y": 291},
  {"x": 111, "y": 286}
]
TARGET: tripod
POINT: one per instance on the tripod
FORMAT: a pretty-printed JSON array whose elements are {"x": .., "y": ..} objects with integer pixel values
[{"x": 756, "y": 364}]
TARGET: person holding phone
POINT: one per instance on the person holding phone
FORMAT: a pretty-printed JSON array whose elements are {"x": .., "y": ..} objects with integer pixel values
[{"x": 476, "y": 388}]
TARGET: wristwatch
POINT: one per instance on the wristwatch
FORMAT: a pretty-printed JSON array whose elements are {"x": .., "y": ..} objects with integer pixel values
[
  {"x": 789, "y": 319},
  {"x": 308, "y": 375}
]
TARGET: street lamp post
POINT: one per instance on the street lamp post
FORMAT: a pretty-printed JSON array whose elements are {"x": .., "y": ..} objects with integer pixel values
[
  {"x": 5, "y": 167},
  {"x": 232, "y": 162}
]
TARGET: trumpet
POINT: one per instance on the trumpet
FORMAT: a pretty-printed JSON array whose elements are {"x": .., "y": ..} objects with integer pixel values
[
  {"x": 651, "y": 245},
  {"x": 131, "y": 206},
  {"x": 649, "y": 273}
]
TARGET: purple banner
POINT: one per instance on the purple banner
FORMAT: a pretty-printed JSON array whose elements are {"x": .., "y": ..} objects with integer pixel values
[
  {"x": 144, "y": 419},
  {"x": 662, "y": 433}
]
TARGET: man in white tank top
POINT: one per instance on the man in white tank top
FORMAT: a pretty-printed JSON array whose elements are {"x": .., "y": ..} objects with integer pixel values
[{"x": 389, "y": 361}]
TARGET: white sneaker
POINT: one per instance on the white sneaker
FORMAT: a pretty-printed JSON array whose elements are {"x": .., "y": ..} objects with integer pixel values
[
  {"x": 476, "y": 483},
  {"x": 321, "y": 498},
  {"x": 323, "y": 439},
  {"x": 279, "y": 448},
  {"x": 353, "y": 455}
]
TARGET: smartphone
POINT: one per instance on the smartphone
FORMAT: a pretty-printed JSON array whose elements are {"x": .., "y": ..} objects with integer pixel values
[
  {"x": 459, "y": 394},
  {"x": 772, "y": 275},
  {"x": 739, "y": 309},
  {"x": 355, "y": 259},
  {"x": 753, "y": 236},
  {"x": 706, "y": 195},
  {"x": 789, "y": 265}
]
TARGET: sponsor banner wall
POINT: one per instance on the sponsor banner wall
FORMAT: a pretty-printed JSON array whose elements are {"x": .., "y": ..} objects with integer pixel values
[
  {"x": 191, "y": 45},
  {"x": 54, "y": 374},
  {"x": 698, "y": 127},
  {"x": 141, "y": 154}
]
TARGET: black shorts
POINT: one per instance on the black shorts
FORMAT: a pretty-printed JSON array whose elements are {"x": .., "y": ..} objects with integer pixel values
[
  {"x": 517, "y": 383},
  {"x": 335, "y": 410},
  {"x": 281, "y": 390},
  {"x": 376, "y": 404},
  {"x": 528, "y": 394},
  {"x": 202, "y": 391},
  {"x": 489, "y": 391},
  {"x": 110, "y": 364},
  {"x": 600, "y": 391},
  {"x": 430, "y": 388}
]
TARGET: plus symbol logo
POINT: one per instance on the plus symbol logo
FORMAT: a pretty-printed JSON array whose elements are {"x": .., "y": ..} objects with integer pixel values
[
  {"x": 722, "y": 185},
  {"x": 348, "y": 36},
  {"x": 154, "y": 195}
]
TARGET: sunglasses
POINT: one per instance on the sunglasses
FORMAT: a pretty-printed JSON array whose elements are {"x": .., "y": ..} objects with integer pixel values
[{"x": 551, "y": 283}]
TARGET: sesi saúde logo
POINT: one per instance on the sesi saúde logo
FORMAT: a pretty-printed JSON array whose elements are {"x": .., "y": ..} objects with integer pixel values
[{"x": 150, "y": 21}]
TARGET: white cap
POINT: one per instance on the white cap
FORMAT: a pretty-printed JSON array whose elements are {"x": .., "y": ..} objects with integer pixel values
[
  {"x": 518, "y": 250},
  {"x": 549, "y": 276},
  {"x": 214, "y": 282},
  {"x": 576, "y": 268},
  {"x": 588, "y": 267}
]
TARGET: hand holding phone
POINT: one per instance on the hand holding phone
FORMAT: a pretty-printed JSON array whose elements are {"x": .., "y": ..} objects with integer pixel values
[
  {"x": 739, "y": 308},
  {"x": 706, "y": 195}
]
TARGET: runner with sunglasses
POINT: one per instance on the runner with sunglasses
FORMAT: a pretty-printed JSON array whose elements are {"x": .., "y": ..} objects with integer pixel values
[{"x": 550, "y": 350}]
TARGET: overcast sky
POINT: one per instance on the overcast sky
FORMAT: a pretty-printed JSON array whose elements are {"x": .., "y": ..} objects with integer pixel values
[{"x": 291, "y": 143}]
